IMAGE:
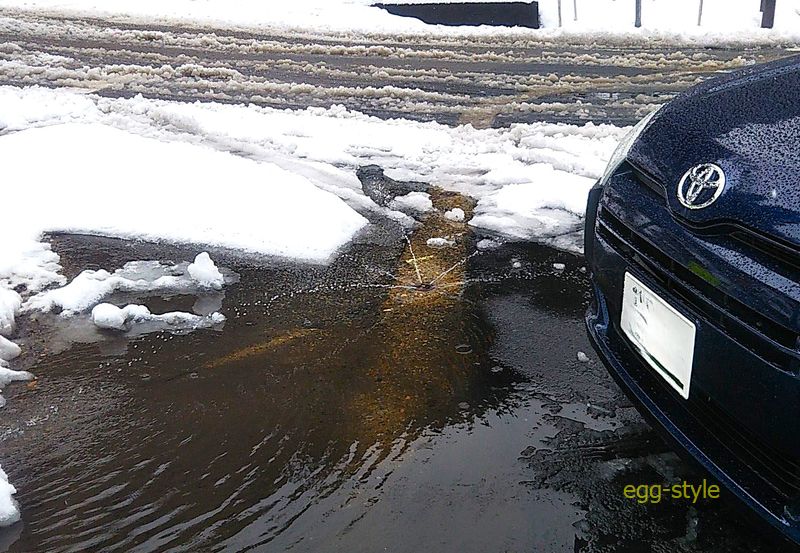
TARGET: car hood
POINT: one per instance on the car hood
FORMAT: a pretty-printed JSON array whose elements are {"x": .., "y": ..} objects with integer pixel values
[{"x": 747, "y": 123}]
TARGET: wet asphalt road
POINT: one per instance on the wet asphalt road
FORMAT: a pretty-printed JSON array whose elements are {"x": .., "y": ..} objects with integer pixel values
[{"x": 340, "y": 409}]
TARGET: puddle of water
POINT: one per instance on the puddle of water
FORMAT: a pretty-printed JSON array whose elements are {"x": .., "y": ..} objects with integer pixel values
[
  {"x": 167, "y": 442},
  {"x": 340, "y": 409}
]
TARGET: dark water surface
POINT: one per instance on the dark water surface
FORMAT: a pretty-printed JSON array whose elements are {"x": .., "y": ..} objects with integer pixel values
[{"x": 336, "y": 413}]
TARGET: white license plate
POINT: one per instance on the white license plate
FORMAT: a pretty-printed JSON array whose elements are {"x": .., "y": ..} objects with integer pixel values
[{"x": 664, "y": 337}]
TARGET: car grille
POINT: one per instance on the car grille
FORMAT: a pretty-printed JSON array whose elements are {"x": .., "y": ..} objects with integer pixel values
[
  {"x": 648, "y": 180},
  {"x": 785, "y": 257},
  {"x": 740, "y": 322}
]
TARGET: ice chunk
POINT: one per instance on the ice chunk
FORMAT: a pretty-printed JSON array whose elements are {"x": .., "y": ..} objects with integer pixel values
[
  {"x": 8, "y": 350},
  {"x": 106, "y": 315},
  {"x": 111, "y": 317},
  {"x": 10, "y": 302},
  {"x": 90, "y": 287},
  {"x": 440, "y": 242},
  {"x": 8, "y": 376},
  {"x": 559, "y": 266},
  {"x": 414, "y": 202},
  {"x": 9, "y": 509},
  {"x": 487, "y": 244},
  {"x": 546, "y": 204},
  {"x": 456, "y": 214},
  {"x": 205, "y": 272}
]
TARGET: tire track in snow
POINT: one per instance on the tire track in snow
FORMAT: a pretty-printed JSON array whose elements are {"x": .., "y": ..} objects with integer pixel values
[{"x": 486, "y": 81}]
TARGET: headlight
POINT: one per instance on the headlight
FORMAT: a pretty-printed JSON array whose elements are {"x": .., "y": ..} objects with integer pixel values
[{"x": 624, "y": 148}]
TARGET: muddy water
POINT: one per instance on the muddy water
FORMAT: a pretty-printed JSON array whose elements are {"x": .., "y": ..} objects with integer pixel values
[
  {"x": 342, "y": 408},
  {"x": 223, "y": 439}
]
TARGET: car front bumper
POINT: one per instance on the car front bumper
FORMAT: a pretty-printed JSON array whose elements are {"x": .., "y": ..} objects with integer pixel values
[{"x": 707, "y": 427}]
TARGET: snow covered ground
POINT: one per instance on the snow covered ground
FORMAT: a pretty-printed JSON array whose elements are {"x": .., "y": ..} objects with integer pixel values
[
  {"x": 551, "y": 165},
  {"x": 721, "y": 18}
]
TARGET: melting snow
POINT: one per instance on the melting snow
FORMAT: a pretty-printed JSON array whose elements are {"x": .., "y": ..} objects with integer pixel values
[
  {"x": 456, "y": 214},
  {"x": 108, "y": 316},
  {"x": 440, "y": 242},
  {"x": 531, "y": 180},
  {"x": 10, "y": 302},
  {"x": 8, "y": 376},
  {"x": 8, "y": 349},
  {"x": 9, "y": 510},
  {"x": 205, "y": 273},
  {"x": 173, "y": 191},
  {"x": 161, "y": 170},
  {"x": 90, "y": 287},
  {"x": 413, "y": 202}
]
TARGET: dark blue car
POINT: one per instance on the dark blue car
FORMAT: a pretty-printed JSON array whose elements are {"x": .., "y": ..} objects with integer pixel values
[{"x": 693, "y": 242}]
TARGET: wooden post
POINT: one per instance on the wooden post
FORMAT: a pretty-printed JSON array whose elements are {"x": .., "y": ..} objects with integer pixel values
[
  {"x": 768, "y": 18},
  {"x": 559, "y": 13},
  {"x": 700, "y": 14},
  {"x": 638, "y": 22},
  {"x": 575, "y": 8}
]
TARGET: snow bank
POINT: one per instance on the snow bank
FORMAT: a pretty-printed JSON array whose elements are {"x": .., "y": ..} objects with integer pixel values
[
  {"x": 677, "y": 16},
  {"x": 9, "y": 510},
  {"x": 111, "y": 317},
  {"x": 341, "y": 15},
  {"x": 178, "y": 192},
  {"x": 324, "y": 147},
  {"x": 722, "y": 19}
]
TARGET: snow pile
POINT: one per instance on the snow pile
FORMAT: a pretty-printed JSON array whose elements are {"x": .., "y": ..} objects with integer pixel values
[
  {"x": 549, "y": 167},
  {"x": 545, "y": 213},
  {"x": 9, "y": 510},
  {"x": 111, "y": 317},
  {"x": 205, "y": 272},
  {"x": 177, "y": 192},
  {"x": 8, "y": 349}
]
